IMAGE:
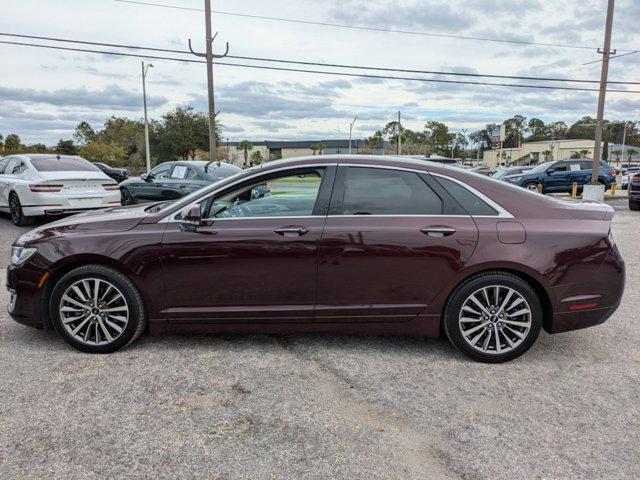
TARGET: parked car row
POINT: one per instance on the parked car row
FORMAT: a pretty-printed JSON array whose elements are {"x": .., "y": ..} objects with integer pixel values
[{"x": 173, "y": 180}]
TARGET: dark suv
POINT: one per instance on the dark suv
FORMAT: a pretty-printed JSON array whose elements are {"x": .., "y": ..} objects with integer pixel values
[
  {"x": 559, "y": 176},
  {"x": 634, "y": 191}
]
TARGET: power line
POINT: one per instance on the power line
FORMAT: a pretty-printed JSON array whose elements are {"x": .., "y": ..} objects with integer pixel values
[
  {"x": 331, "y": 65},
  {"x": 359, "y": 27},
  {"x": 321, "y": 72}
]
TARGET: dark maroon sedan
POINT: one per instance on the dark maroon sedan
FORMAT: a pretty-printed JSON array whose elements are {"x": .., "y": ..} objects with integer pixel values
[{"x": 358, "y": 245}]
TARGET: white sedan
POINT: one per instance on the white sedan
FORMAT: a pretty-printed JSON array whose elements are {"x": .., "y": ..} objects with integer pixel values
[{"x": 32, "y": 185}]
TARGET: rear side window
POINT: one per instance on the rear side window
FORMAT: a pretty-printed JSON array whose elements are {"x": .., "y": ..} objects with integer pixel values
[
  {"x": 376, "y": 191},
  {"x": 469, "y": 200},
  {"x": 3, "y": 164},
  {"x": 52, "y": 164}
]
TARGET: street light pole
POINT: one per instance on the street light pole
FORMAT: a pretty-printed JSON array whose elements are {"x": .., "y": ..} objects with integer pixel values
[
  {"x": 351, "y": 131},
  {"x": 146, "y": 121},
  {"x": 624, "y": 138},
  {"x": 597, "y": 150},
  {"x": 399, "y": 135}
]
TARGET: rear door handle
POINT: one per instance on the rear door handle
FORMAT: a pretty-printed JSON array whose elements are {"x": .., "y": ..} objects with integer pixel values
[
  {"x": 292, "y": 231},
  {"x": 438, "y": 231}
]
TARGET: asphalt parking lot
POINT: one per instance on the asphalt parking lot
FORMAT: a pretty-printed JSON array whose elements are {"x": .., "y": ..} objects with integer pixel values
[{"x": 297, "y": 407}]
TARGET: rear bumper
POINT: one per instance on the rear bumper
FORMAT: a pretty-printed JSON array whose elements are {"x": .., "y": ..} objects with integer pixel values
[
  {"x": 37, "y": 204},
  {"x": 589, "y": 304}
]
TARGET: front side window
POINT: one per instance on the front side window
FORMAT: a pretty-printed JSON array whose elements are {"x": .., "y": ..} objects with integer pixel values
[
  {"x": 285, "y": 196},
  {"x": 378, "y": 191},
  {"x": 161, "y": 171}
]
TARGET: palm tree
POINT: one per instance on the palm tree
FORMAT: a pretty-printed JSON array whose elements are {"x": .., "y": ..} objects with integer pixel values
[
  {"x": 617, "y": 153},
  {"x": 317, "y": 147},
  {"x": 245, "y": 146},
  {"x": 631, "y": 152},
  {"x": 256, "y": 158},
  {"x": 585, "y": 153},
  {"x": 546, "y": 154}
]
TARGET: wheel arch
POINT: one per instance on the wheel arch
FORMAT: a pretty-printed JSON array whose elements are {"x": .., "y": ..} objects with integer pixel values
[
  {"x": 538, "y": 287},
  {"x": 61, "y": 268}
]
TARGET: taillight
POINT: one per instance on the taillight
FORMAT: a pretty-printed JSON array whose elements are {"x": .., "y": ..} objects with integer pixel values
[
  {"x": 110, "y": 186},
  {"x": 45, "y": 188},
  {"x": 612, "y": 172}
]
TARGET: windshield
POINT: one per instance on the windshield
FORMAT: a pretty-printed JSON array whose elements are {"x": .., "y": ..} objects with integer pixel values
[{"x": 541, "y": 168}]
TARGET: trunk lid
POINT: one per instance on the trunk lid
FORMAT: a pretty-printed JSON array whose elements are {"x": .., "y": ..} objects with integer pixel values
[{"x": 74, "y": 183}]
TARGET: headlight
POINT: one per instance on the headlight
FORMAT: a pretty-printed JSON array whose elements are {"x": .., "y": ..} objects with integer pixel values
[
  {"x": 20, "y": 254},
  {"x": 513, "y": 179}
]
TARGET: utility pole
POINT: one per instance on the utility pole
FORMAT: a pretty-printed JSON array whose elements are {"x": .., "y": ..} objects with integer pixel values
[
  {"x": 146, "y": 121},
  {"x": 351, "y": 131},
  {"x": 399, "y": 135},
  {"x": 597, "y": 150},
  {"x": 209, "y": 56},
  {"x": 624, "y": 138}
]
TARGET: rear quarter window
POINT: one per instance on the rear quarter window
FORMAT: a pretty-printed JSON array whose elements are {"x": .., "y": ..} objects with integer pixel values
[{"x": 473, "y": 204}]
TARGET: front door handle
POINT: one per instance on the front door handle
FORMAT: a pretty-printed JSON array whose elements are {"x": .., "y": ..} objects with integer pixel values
[
  {"x": 438, "y": 231},
  {"x": 292, "y": 231}
]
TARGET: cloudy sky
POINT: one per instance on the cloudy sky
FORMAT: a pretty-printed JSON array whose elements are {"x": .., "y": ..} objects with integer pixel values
[{"x": 45, "y": 93}]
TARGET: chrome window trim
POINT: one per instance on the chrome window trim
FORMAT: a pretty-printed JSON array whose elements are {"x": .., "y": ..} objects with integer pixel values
[
  {"x": 502, "y": 212},
  {"x": 171, "y": 217}
]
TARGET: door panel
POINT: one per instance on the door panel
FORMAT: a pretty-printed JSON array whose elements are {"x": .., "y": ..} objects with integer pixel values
[
  {"x": 385, "y": 268},
  {"x": 240, "y": 270}
]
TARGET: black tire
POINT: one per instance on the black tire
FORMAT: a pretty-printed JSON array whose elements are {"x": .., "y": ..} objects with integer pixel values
[
  {"x": 603, "y": 182},
  {"x": 126, "y": 197},
  {"x": 471, "y": 285},
  {"x": 17, "y": 215},
  {"x": 634, "y": 204},
  {"x": 137, "y": 321},
  {"x": 531, "y": 186}
]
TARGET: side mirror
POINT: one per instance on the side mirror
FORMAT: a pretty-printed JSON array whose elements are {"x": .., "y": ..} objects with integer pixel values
[
  {"x": 550, "y": 171},
  {"x": 192, "y": 220},
  {"x": 147, "y": 177}
]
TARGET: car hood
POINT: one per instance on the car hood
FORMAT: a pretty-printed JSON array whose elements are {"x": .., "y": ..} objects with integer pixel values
[{"x": 108, "y": 220}]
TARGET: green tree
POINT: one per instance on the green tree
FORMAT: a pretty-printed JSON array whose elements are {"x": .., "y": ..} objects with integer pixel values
[
  {"x": 317, "y": 147},
  {"x": 617, "y": 153},
  {"x": 1, "y": 143},
  {"x": 66, "y": 147},
  {"x": 179, "y": 134},
  {"x": 438, "y": 136},
  {"x": 36, "y": 148},
  {"x": 12, "y": 144},
  {"x": 84, "y": 134},
  {"x": 245, "y": 146},
  {"x": 515, "y": 128},
  {"x": 110, "y": 153},
  {"x": 256, "y": 158},
  {"x": 127, "y": 133}
]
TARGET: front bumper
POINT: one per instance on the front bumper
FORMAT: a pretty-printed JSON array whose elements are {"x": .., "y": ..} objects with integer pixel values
[{"x": 26, "y": 293}]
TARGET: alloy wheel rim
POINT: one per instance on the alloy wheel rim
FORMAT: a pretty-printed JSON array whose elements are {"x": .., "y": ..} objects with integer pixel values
[
  {"x": 495, "y": 319},
  {"x": 15, "y": 210},
  {"x": 532, "y": 186},
  {"x": 94, "y": 311}
]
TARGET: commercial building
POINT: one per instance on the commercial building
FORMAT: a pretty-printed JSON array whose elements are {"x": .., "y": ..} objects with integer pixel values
[{"x": 537, "y": 152}]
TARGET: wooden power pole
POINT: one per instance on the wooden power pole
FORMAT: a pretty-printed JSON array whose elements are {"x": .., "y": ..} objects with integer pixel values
[
  {"x": 597, "y": 150},
  {"x": 209, "y": 56}
]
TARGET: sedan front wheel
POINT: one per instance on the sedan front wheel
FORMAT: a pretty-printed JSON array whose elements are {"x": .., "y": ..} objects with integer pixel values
[
  {"x": 493, "y": 317},
  {"x": 96, "y": 309}
]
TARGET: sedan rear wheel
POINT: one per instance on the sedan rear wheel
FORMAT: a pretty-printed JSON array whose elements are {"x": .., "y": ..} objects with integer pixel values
[
  {"x": 17, "y": 214},
  {"x": 97, "y": 309},
  {"x": 493, "y": 317},
  {"x": 126, "y": 198},
  {"x": 531, "y": 186}
]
